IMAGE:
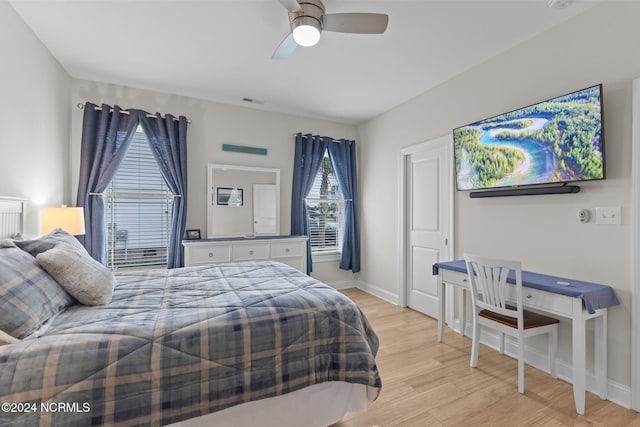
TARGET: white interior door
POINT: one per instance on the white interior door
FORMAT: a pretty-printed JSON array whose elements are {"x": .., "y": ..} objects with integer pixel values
[
  {"x": 265, "y": 209},
  {"x": 427, "y": 218}
]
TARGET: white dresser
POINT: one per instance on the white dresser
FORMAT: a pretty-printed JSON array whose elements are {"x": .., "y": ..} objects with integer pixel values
[{"x": 291, "y": 250}]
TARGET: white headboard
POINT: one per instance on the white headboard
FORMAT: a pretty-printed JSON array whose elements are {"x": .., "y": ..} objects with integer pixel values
[{"x": 12, "y": 216}]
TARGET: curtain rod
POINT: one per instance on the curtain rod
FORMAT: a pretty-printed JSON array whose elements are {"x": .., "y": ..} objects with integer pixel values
[
  {"x": 137, "y": 195},
  {"x": 339, "y": 141},
  {"x": 97, "y": 108}
]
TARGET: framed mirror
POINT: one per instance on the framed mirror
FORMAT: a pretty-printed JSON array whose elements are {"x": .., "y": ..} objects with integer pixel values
[{"x": 242, "y": 201}]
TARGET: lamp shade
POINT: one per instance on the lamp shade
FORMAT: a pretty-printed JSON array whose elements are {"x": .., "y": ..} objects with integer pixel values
[{"x": 70, "y": 220}]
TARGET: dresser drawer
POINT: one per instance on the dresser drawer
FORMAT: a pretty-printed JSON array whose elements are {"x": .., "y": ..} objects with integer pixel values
[
  {"x": 249, "y": 252},
  {"x": 285, "y": 250},
  {"x": 209, "y": 254},
  {"x": 297, "y": 263}
]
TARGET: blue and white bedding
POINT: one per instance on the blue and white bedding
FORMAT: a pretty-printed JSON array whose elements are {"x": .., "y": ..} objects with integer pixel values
[{"x": 177, "y": 344}]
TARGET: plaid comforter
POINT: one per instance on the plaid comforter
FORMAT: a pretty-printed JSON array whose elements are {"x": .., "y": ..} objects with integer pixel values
[{"x": 176, "y": 344}]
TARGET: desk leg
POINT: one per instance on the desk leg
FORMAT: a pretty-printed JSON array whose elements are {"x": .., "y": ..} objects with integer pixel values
[
  {"x": 601, "y": 353},
  {"x": 579, "y": 356},
  {"x": 441, "y": 293}
]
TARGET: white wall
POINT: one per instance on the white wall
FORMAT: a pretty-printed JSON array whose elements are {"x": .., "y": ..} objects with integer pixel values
[
  {"x": 34, "y": 120},
  {"x": 600, "y": 46},
  {"x": 212, "y": 125}
]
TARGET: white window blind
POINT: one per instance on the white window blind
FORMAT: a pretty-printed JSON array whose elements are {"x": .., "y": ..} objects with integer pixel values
[
  {"x": 325, "y": 209},
  {"x": 138, "y": 210}
]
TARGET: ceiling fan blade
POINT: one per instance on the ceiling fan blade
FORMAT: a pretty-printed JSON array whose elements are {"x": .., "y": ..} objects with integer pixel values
[
  {"x": 357, "y": 23},
  {"x": 291, "y": 5},
  {"x": 286, "y": 48}
]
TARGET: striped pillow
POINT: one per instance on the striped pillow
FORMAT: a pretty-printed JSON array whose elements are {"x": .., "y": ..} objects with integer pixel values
[{"x": 28, "y": 295}]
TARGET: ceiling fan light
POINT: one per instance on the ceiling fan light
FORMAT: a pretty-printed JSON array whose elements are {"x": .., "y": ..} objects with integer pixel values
[{"x": 307, "y": 32}]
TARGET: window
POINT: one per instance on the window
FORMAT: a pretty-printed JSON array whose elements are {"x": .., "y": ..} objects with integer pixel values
[
  {"x": 325, "y": 209},
  {"x": 138, "y": 210}
]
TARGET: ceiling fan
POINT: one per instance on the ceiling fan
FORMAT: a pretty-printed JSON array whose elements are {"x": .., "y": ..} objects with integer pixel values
[{"x": 308, "y": 20}]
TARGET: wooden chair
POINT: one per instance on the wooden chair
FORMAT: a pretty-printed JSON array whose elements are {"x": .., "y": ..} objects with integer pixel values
[{"x": 489, "y": 292}]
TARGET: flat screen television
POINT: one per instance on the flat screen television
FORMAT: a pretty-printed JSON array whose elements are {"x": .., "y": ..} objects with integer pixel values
[{"x": 555, "y": 141}]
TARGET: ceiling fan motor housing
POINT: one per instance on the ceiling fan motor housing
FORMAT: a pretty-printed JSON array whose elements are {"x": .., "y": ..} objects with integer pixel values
[
  {"x": 308, "y": 20},
  {"x": 311, "y": 13}
]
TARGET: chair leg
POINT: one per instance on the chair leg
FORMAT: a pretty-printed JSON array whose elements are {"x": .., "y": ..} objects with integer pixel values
[
  {"x": 501, "y": 342},
  {"x": 521, "y": 363},
  {"x": 553, "y": 351},
  {"x": 463, "y": 315},
  {"x": 475, "y": 344}
]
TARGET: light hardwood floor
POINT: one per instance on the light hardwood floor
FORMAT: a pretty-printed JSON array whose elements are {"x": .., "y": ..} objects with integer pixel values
[{"x": 425, "y": 383}]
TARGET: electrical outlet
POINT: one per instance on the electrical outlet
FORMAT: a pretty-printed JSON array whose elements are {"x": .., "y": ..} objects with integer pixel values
[{"x": 608, "y": 216}]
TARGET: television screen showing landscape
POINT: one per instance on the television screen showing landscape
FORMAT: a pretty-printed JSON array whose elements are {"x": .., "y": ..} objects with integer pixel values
[{"x": 556, "y": 141}]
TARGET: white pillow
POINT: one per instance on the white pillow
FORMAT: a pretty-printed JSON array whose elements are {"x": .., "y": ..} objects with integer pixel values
[{"x": 84, "y": 278}]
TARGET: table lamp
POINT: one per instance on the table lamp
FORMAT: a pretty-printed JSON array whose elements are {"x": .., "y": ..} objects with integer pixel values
[{"x": 70, "y": 220}]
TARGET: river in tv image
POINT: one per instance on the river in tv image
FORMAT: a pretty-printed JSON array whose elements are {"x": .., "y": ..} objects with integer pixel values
[{"x": 539, "y": 162}]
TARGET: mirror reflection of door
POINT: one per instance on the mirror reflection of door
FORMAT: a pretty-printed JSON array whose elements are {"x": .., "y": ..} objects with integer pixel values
[
  {"x": 230, "y": 205},
  {"x": 265, "y": 209}
]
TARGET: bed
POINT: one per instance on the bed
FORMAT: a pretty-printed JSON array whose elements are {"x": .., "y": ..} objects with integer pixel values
[{"x": 256, "y": 343}]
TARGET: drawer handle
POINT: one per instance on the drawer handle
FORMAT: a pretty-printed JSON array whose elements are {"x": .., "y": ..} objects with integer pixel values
[
  {"x": 529, "y": 296},
  {"x": 287, "y": 250},
  {"x": 210, "y": 254},
  {"x": 464, "y": 280},
  {"x": 250, "y": 252}
]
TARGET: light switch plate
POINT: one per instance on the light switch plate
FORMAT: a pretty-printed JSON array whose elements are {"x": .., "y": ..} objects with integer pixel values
[{"x": 608, "y": 215}]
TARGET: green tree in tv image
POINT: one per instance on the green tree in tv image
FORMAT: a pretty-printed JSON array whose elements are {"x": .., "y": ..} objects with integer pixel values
[
  {"x": 489, "y": 163},
  {"x": 573, "y": 135}
]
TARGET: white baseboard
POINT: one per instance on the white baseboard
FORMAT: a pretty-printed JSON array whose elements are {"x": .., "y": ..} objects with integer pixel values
[{"x": 379, "y": 292}]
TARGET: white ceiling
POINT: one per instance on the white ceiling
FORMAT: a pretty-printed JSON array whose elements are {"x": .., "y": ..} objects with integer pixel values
[{"x": 221, "y": 50}]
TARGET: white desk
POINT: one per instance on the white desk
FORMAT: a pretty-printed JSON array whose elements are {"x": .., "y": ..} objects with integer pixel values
[{"x": 558, "y": 305}]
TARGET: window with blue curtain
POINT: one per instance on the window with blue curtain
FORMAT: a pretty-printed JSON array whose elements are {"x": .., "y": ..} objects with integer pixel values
[
  {"x": 107, "y": 133},
  {"x": 138, "y": 210},
  {"x": 324, "y": 198},
  {"x": 325, "y": 211}
]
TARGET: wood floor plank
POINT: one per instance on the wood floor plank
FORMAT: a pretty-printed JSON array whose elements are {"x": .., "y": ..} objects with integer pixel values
[{"x": 426, "y": 383}]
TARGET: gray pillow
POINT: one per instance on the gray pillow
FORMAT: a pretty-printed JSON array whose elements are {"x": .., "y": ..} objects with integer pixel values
[
  {"x": 86, "y": 279},
  {"x": 28, "y": 295},
  {"x": 44, "y": 243}
]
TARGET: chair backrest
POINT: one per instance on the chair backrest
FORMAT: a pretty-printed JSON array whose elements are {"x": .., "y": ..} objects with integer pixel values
[{"x": 488, "y": 279}]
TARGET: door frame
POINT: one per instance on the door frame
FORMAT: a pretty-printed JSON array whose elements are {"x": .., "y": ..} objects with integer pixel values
[
  {"x": 447, "y": 142},
  {"x": 635, "y": 245}
]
